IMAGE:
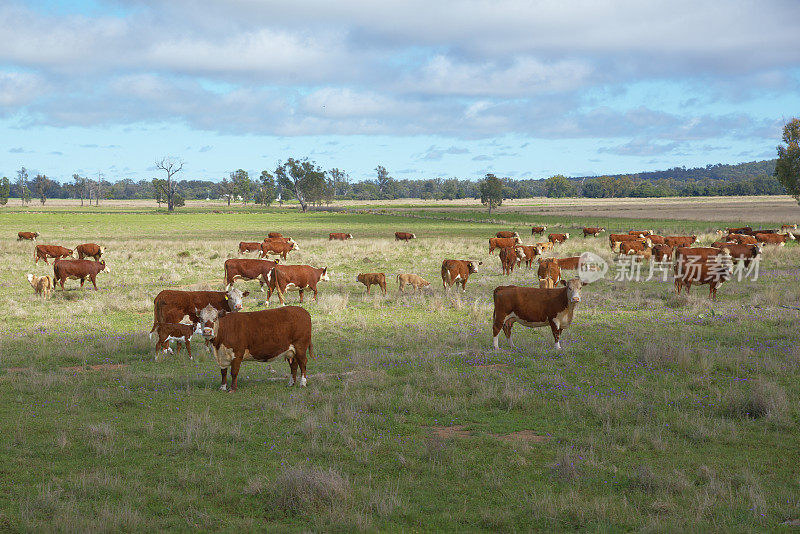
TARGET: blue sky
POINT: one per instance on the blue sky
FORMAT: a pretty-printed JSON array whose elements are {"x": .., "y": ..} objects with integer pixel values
[{"x": 525, "y": 89}]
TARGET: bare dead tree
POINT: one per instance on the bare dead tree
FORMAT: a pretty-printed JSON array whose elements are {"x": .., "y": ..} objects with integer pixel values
[{"x": 171, "y": 166}]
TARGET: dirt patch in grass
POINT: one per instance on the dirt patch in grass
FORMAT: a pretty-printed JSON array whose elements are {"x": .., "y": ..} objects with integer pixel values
[
  {"x": 523, "y": 436},
  {"x": 446, "y": 432}
]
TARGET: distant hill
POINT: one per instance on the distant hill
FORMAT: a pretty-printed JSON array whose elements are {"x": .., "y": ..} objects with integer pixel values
[{"x": 720, "y": 171}]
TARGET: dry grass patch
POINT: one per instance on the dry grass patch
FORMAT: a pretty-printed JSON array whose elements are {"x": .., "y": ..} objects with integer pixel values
[{"x": 299, "y": 489}]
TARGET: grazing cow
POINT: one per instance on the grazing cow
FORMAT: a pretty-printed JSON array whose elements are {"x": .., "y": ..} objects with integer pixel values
[
  {"x": 756, "y": 232},
  {"x": 676, "y": 241},
  {"x": 42, "y": 285},
  {"x": 638, "y": 246},
  {"x": 295, "y": 277},
  {"x": 274, "y": 234},
  {"x": 549, "y": 270},
  {"x": 509, "y": 257},
  {"x": 742, "y": 239},
  {"x": 534, "y": 307},
  {"x": 640, "y": 233},
  {"x": 455, "y": 271},
  {"x": 787, "y": 227},
  {"x": 702, "y": 265},
  {"x": 662, "y": 252},
  {"x": 248, "y": 269},
  {"x": 249, "y": 246},
  {"x": 557, "y": 238},
  {"x": 742, "y": 230},
  {"x": 261, "y": 336},
  {"x": 417, "y": 282},
  {"x": 338, "y": 236},
  {"x": 745, "y": 253},
  {"x": 177, "y": 332},
  {"x": 530, "y": 252},
  {"x": 592, "y": 231},
  {"x": 277, "y": 248},
  {"x": 570, "y": 263},
  {"x": 78, "y": 270},
  {"x": 30, "y": 236},
  {"x": 368, "y": 279},
  {"x": 503, "y": 242},
  {"x": 404, "y": 236},
  {"x": 615, "y": 239},
  {"x": 42, "y": 252},
  {"x": 90, "y": 250},
  {"x": 538, "y": 230},
  {"x": 506, "y": 233},
  {"x": 656, "y": 239},
  {"x": 773, "y": 239},
  {"x": 545, "y": 246},
  {"x": 279, "y": 239},
  {"x": 170, "y": 305}
]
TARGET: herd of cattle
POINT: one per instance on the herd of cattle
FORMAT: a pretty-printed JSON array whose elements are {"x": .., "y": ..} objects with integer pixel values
[{"x": 234, "y": 336}]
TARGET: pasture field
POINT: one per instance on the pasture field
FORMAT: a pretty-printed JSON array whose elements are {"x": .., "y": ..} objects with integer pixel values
[{"x": 661, "y": 413}]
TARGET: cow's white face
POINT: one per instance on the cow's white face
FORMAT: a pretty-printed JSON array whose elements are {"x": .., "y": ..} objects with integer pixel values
[
  {"x": 294, "y": 246},
  {"x": 349, "y": 236},
  {"x": 573, "y": 290},
  {"x": 234, "y": 297},
  {"x": 520, "y": 254},
  {"x": 413, "y": 236},
  {"x": 102, "y": 250},
  {"x": 324, "y": 277},
  {"x": 209, "y": 321}
]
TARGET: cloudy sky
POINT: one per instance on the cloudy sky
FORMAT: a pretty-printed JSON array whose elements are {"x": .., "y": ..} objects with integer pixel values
[{"x": 425, "y": 88}]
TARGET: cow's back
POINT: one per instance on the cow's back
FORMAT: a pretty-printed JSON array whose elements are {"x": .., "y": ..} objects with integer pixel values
[{"x": 265, "y": 333}]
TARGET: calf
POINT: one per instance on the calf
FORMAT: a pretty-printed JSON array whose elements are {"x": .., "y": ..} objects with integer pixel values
[
  {"x": 773, "y": 239},
  {"x": 676, "y": 241},
  {"x": 615, "y": 239},
  {"x": 509, "y": 257},
  {"x": 745, "y": 253},
  {"x": 170, "y": 305},
  {"x": 547, "y": 245},
  {"x": 368, "y": 279},
  {"x": 277, "y": 248},
  {"x": 42, "y": 285},
  {"x": 557, "y": 238},
  {"x": 248, "y": 269},
  {"x": 502, "y": 242},
  {"x": 638, "y": 246},
  {"x": 295, "y": 277},
  {"x": 507, "y": 234},
  {"x": 530, "y": 252},
  {"x": 261, "y": 336},
  {"x": 549, "y": 270},
  {"x": 178, "y": 332},
  {"x": 455, "y": 271},
  {"x": 702, "y": 266},
  {"x": 249, "y": 246},
  {"x": 538, "y": 230},
  {"x": 78, "y": 270},
  {"x": 338, "y": 236},
  {"x": 42, "y": 252},
  {"x": 30, "y": 236},
  {"x": 534, "y": 307},
  {"x": 417, "y": 282},
  {"x": 662, "y": 252},
  {"x": 656, "y": 239},
  {"x": 90, "y": 250},
  {"x": 592, "y": 231},
  {"x": 404, "y": 236}
]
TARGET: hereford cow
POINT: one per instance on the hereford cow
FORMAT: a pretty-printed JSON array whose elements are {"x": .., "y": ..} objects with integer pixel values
[
  {"x": 417, "y": 282},
  {"x": 249, "y": 246},
  {"x": 640, "y": 233},
  {"x": 42, "y": 285},
  {"x": 177, "y": 332},
  {"x": 745, "y": 253},
  {"x": 639, "y": 247},
  {"x": 677, "y": 241},
  {"x": 742, "y": 239},
  {"x": 338, "y": 236},
  {"x": 773, "y": 239},
  {"x": 42, "y": 252},
  {"x": 30, "y": 236},
  {"x": 615, "y": 239},
  {"x": 277, "y": 248},
  {"x": 557, "y": 238},
  {"x": 592, "y": 231},
  {"x": 787, "y": 227},
  {"x": 404, "y": 236},
  {"x": 502, "y": 242},
  {"x": 295, "y": 278},
  {"x": 261, "y": 336},
  {"x": 529, "y": 252},
  {"x": 455, "y": 271},
  {"x": 279, "y": 239},
  {"x": 570, "y": 263},
  {"x": 509, "y": 257},
  {"x": 507, "y": 234},
  {"x": 370, "y": 279},
  {"x": 662, "y": 252},
  {"x": 549, "y": 270},
  {"x": 534, "y": 307},
  {"x": 702, "y": 266},
  {"x": 170, "y": 305},
  {"x": 656, "y": 239},
  {"x": 538, "y": 230},
  {"x": 90, "y": 250},
  {"x": 755, "y": 232},
  {"x": 545, "y": 246},
  {"x": 274, "y": 234},
  {"x": 742, "y": 230},
  {"x": 248, "y": 269},
  {"x": 78, "y": 270}
]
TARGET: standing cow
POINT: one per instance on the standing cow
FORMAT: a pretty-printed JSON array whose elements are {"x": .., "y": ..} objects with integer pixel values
[{"x": 458, "y": 271}]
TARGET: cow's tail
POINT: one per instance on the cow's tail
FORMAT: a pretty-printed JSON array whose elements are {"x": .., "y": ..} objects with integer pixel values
[
  {"x": 156, "y": 307},
  {"x": 311, "y": 350},
  {"x": 225, "y": 275}
]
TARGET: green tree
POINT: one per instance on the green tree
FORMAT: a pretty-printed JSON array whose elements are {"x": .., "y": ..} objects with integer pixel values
[
  {"x": 242, "y": 185},
  {"x": 80, "y": 186},
  {"x": 787, "y": 168},
  {"x": 171, "y": 166},
  {"x": 160, "y": 189},
  {"x": 22, "y": 186},
  {"x": 266, "y": 191},
  {"x": 226, "y": 190},
  {"x": 386, "y": 183},
  {"x": 5, "y": 189},
  {"x": 559, "y": 186},
  {"x": 41, "y": 184},
  {"x": 491, "y": 191},
  {"x": 303, "y": 179},
  {"x": 341, "y": 181}
]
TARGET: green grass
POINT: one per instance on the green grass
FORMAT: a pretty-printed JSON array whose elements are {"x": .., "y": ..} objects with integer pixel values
[{"x": 661, "y": 413}]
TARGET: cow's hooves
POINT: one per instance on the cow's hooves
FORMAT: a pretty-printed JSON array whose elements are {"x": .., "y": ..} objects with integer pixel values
[
  {"x": 303, "y": 381},
  {"x": 223, "y": 388},
  {"x": 290, "y": 383}
]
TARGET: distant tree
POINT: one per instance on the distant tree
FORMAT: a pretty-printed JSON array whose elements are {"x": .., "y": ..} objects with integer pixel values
[
  {"x": 266, "y": 191},
  {"x": 160, "y": 189},
  {"x": 386, "y": 183},
  {"x": 171, "y": 166},
  {"x": 226, "y": 189},
  {"x": 41, "y": 184},
  {"x": 341, "y": 182},
  {"x": 22, "y": 185},
  {"x": 242, "y": 185},
  {"x": 491, "y": 192},
  {"x": 79, "y": 186},
  {"x": 5, "y": 189},
  {"x": 178, "y": 201},
  {"x": 303, "y": 179},
  {"x": 330, "y": 191},
  {"x": 787, "y": 168},
  {"x": 559, "y": 186}
]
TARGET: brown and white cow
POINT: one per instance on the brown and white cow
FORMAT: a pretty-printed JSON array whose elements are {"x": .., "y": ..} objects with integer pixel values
[
  {"x": 90, "y": 250},
  {"x": 656, "y": 239},
  {"x": 248, "y": 269},
  {"x": 538, "y": 230},
  {"x": 278, "y": 239},
  {"x": 339, "y": 236},
  {"x": 42, "y": 252},
  {"x": 557, "y": 238},
  {"x": 30, "y": 236},
  {"x": 277, "y": 248},
  {"x": 662, "y": 252},
  {"x": 640, "y": 233},
  {"x": 177, "y": 332},
  {"x": 261, "y": 336},
  {"x": 742, "y": 239},
  {"x": 677, "y": 241},
  {"x": 42, "y": 285},
  {"x": 502, "y": 242},
  {"x": 274, "y": 234},
  {"x": 415, "y": 281},
  {"x": 404, "y": 236},
  {"x": 506, "y": 234},
  {"x": 370, "y": 279},
  {"x": 509, "y": 257},
  {"x": 640, "y": 247},
  {"x": 530, "y": 252},
  {"x": 702, "y": 265},
  {"x": 570, "y": 263},
  {"x": 545, "y": 246},
  {"x": 171, "y": 305},
  {"x": 78, "y": 270},
  {"x": 249, "y": 246},
  {"x": 295, "y": 278},
  {"x": 774, "y": 239},
  {"x": 535, "y": 307},
  {"x": 458, "y": 271},
  {"x": 787, "y": 227},
  {"x": 592, "y": 231},
  {"x": 548, "y": 270},
  {"x": 615, "y": 239},
  {"x": 745, "y": 253},
  {"x": 742, "y": 230}
]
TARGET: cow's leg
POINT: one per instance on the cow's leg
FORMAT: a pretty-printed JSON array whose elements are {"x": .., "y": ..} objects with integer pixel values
[
  {"x": 556, "y": 333},
  {"x": 83, "y": 279},
  {"x": 235, "y": 372},
  {"x": 315, "y": 293},
  {"x": 224, "y": 372},
  {"x": 301, "y": 295},
  {"x": 464, "y": 285},
  {"x": 94, "y": 281},
  {"x": 497, "y": 326},
  {"x": 177, "y": 347},
  {"x": 188, "y": 347},
  {"x": 62, "y": 283},
  {"x": 301, "y": 360},
  {"x": 293, "y": 366},
  {"x": 368, "y": 286}
]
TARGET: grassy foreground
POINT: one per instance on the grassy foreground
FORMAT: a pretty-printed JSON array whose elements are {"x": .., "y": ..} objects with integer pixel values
[{"x": 661, "y": 413}]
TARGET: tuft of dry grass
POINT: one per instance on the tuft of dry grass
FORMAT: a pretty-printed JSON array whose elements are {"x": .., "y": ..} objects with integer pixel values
[
  {"x": 763, "y": 399},
  {"x": 298, "y": 489}
]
